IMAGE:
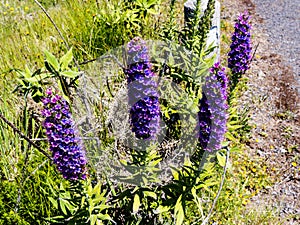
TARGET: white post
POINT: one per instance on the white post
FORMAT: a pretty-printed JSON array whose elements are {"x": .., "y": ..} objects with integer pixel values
[{"x": 214, "y": 34}]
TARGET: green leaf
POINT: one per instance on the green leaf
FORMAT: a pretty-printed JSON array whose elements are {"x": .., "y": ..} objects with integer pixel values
[
  {"x": 235, "y": 149},
  {"x": 36, "y": 78},
  {"x": 221, "y": 159},
  {"x": 97, "y": 189},
  {"x": 51, "y": 60},
  {"x": 230, "y": 137},
  {"x": 37, "y": 93},
  {"x": 22, "y": 83},
  {"x": 154, "y": 163},
  {"x": 55, "y": 219},
  {"x": 93, "y": 219},
  {"x": 104, "y": 216},
  {"x": 152, "y": 11},
  {"x": 70, "y": 74},
  {"x": 82, "y": 201},
  {"x": 66, "y": 59},
  {"x": 136, "y": 203},
  {"x": 175, "y": 174},
  {"x": 101, "y": 207},
  {"x": 27, "y": 73},
  {"x": 166, "y": 114},
  {"x": 63, "y": 206},
  {"x": 61, "y": 187},
  {"x": 178, "y": 211},
  {"x": 60, "y": 86},
  {"x": 150, "y": 194},
  {"x": 196, "y": 199},
  {"x": 234, "y": 127},
  {"x": 54, "y": 202},
  {"x": 161, "y": 209}
]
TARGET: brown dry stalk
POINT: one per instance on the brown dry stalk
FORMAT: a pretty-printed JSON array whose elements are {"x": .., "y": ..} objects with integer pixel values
[{"x": 15, "y": 129}]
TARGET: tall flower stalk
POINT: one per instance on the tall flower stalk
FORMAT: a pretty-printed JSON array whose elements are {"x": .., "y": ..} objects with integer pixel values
[
  {"x": 67, "y": 152},
  {"x": 239, "y": 56},
  {"x": 213, "y": 107},
  {"x": 142, "y": 91}
]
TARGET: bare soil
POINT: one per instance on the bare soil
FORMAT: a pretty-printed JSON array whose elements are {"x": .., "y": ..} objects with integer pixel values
[{"x": 274, "y": 108}]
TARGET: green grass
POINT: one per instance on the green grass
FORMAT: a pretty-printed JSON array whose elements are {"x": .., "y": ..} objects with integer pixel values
[{"x": 91, "y": 30}]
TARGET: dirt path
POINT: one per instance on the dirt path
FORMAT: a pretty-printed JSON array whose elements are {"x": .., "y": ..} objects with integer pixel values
[
  {"x": 274, "y": 107},
  {"x": 282, "y": 25}
]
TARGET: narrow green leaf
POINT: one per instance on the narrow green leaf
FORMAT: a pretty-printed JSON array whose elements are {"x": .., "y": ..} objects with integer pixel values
[
  {"x": 52, "y": 60},
  {"x": 234, "y": 127},
  {"x": 178, "y": 211},
  {"x": 221, "y": 159},
  {"x": 36, "y": 78},
  {"x": 82, "y": 201},
  {"x": 161, "y": 209},
  {"x": 230, "y": 137},
  {"x": 104, "y": 216},
  {"x": 101, "y": 207},
  {"x": 96, "y": 189},
  {"x": 93, "y": 219},
  {"x": 37, "y": 93},
  {"x": 66, "y": 59},
  {"x": 63, "y": 206},
  {"x": 27, "y": 73},
  {"x": 70, "y": 74},
  {"x": 54, "y": 202},
  {"x": 136, "y": 203},
  {"x": 150, "y": 194}
]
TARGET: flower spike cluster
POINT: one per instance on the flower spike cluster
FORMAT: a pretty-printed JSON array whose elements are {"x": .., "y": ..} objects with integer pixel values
[
  {"x": 142, "y": 91},
  {"x": 239, "y": 56},
  {"x": 213, "y": 107},
  {"x": 67, "y": 151}
]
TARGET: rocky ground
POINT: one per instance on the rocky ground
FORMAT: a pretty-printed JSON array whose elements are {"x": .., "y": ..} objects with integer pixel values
[
  {"x": 273, "y": 99},
  {"x": 282, "y": 25}
]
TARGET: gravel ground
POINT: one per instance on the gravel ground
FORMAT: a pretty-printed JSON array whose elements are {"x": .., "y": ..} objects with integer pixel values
[
  {"x": 282, "y": 25},
  {"x": 274, "y": 102}
]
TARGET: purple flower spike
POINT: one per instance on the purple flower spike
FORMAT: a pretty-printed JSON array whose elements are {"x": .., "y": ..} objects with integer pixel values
[
  {"x": 213, "y": 107},
  {"x": 221, "y": 77},
  {"x": 239, "y": 56},
  {"x": 67, "y": 152},
  {"x": 143, "y": 96}
]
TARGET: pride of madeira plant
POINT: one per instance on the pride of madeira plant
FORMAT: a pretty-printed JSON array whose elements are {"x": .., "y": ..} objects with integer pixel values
[{"x": 175, "y": 201}]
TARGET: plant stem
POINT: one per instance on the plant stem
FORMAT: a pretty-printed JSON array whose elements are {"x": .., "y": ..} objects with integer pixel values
[
  {"x": 49, "y": 17},
  {"x": 58, "y": 30},
  {"x": 24, "y": 136},
  {"x": 220, "y": 189}
]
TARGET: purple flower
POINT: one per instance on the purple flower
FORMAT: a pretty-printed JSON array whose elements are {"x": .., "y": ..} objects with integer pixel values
[
  {"x": 239, "y": 56},
  {"x": 67, "y": 152},
  {"x": 221, "y": 77},
  {"x": 213, "y": 107},
  {"x": 142, "y": 91}
]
